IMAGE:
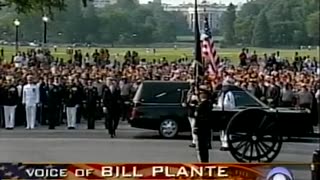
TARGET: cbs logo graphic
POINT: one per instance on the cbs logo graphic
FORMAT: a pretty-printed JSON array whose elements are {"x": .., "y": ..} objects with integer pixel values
[{"x": 280, "y": 173}]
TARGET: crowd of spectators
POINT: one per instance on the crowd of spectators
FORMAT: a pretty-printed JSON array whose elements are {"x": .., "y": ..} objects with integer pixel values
[{"x": 279, "y": 81}]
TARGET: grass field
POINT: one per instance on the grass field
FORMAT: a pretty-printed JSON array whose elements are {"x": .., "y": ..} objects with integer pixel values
[{"x": 169, "y": 53}]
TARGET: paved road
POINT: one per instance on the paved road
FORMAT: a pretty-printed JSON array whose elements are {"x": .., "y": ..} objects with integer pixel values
[{"x": 131, "y": 145}]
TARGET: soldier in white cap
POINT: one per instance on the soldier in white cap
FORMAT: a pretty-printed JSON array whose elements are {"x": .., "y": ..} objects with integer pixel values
[
  {"x": 10, "y": 101},
  {"x": 227, "y": 101},
  {"x": 31, "y": 98}
]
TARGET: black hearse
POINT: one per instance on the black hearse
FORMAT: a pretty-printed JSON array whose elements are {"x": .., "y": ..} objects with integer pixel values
[{"x": 157, "y": 105}]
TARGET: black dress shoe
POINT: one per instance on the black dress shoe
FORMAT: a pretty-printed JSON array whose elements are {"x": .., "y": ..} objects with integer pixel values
[
  {"x": 9, "y": 128},
  {"x": 112, "y": 136},
  {"x": 192, "y": 145},
  {"x": 209, "y": 147},
  {"x": 224, "y": 149},
  {"x": 71, "y": 128},
  {"x": 52, "y": 128}
]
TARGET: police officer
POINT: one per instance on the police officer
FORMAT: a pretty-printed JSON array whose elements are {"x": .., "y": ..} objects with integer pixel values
[
  {"x": 10, "y": 101},
  {"x": 72, "y": 102},
  {"x": 203, "y": 126},
  {"x": 31, "y": 98},
  {"x": 111, "y": 105},
  {"x": 54, "y": 101},
  {"x": 90, "y": 103}
]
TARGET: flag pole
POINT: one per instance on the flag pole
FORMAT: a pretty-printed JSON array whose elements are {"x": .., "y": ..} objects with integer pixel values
[{"x": 198, "y": 54}]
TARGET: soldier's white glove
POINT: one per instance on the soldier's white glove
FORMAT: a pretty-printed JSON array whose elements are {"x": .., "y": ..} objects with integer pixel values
[{"x": 105, "y": 110}]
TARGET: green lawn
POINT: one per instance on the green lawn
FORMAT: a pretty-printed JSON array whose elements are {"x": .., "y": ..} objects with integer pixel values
[{"x": 169, "y": 53}]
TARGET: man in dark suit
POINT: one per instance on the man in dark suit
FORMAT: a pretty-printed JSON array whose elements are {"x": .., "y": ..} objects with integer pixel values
[
  {"x": 111, "y": 101},
  {"x": 203, "y": 126}
]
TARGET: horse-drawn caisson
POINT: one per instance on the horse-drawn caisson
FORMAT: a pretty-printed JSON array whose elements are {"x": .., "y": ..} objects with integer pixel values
[{"x": 254, "y": 131}]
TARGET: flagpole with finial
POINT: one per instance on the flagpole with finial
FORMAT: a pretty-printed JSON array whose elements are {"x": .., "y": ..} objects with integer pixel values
[{"x": 198, "y": 55}]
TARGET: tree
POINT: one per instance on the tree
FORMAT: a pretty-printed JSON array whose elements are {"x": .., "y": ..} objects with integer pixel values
[
  {"x": 261, "y": 32},
  {"x": 27, "y": 6},
  {"x": 313, "y": 25},
  {"x": 229, "y": 18},
  {"x": 244, "y": 30}
]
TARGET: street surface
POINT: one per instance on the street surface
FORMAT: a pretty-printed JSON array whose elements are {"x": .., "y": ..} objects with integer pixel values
[{"x": 131, "y": 145}]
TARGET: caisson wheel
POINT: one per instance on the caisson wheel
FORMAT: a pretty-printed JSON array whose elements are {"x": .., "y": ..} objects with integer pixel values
[
  {"x": 252, "y": 136},
  {"x": 168, "y": 128}
]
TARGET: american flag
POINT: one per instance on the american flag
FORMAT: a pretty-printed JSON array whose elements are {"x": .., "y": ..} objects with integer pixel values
[
  {"x": 19, "y": 170},
  {"x": 209, "y": 53}
]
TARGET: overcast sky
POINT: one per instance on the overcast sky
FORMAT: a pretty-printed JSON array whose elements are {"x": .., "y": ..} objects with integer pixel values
[{"x": 187, "y": 1}]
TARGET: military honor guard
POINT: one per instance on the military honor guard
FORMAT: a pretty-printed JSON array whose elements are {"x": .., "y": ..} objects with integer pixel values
[
  {"x": 10, "y": 101},
  {"x": 192, "y": 102},
  {"x": 72, "y": 102},
  {"x": 54, "y": 102},
  {"x": 203, "y": 126},
  {"x": 91, "y": 100},
  {"x": 226, "y": 100},
  {"x": 31, "y": 98}
]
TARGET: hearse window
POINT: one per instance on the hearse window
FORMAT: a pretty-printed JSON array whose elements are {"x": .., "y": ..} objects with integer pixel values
[
  {"x": 242, "y": 99},
  {"x": 164, "y": 93},
  {"x": 173, "y": 96}
]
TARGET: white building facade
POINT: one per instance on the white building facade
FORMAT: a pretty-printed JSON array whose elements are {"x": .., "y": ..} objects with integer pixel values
[
  {"x": 103, "y": 3},
  {"x": 214, "y": 13}
]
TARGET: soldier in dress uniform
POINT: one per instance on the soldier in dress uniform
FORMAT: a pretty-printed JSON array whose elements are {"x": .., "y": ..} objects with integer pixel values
[
  {"x": 203, "y": 126},
  {"x": 31, "y": 98},
  {"x": 41, "y": 110},
  {"x": 10, "y": 101},
  {"x": 111, "y": 105},
  {"x": 91, "y": 99},
  {"x": 191, "y": 103},
  {"x": 80, "y": 107},
  {"x": 72, "y": 102},
  {"x": 54, "y": 102},
  {"x": 20, "y": 110},
  {"x": 62, "y": 88},
  {"x": 227, "y": 101}
]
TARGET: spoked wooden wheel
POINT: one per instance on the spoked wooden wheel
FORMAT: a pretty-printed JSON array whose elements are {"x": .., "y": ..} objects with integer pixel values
[{"x": 253, "y": 137}]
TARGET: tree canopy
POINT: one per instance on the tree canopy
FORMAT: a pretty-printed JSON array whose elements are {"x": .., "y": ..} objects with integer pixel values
[
  {"x": 291, "y": 23},
  {"x": 124, "y": 22}
]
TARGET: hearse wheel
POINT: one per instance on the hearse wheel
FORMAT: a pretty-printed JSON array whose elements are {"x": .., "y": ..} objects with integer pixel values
[
  {"x": 253, "y": 137},
  {"x": 168, "y": 128}
]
